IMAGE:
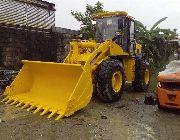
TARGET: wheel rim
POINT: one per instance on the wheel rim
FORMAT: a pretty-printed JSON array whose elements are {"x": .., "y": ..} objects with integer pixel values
[
  {"x": 146, "y": 77},
  {"x": 117, "y": 81}
]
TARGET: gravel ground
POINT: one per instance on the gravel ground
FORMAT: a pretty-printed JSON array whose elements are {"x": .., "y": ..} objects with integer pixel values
[{"x": 128, "y": 119}]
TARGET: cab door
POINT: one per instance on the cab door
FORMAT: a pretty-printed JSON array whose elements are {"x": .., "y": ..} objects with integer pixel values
[{"x": 132, "y": 37}]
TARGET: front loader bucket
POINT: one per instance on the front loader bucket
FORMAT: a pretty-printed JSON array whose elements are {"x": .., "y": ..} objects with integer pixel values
[{"x": 56, "y": 88}]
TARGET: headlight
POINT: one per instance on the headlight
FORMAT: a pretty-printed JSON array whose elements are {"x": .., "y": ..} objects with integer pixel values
[{"x": 159, "y": 84}]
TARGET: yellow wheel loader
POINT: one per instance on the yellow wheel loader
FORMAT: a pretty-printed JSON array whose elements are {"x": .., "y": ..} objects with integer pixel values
[{"x": 101, "y": 67}]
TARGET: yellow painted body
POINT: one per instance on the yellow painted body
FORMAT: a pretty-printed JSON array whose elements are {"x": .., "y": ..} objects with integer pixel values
[
  {"x": 63, "y": 88},
  {"x": 129, "y": 66},
  {"x": 117, "y": 81},
  {"x": 52, "y": 87},
  {"x": 138, "y": 49},
  {"x": 108, "y": 14}
]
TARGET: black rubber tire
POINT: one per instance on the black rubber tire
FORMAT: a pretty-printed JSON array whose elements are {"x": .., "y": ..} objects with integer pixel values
[
  {"x": 139, "y": 84},
  {"x": 103, "y": 81}
]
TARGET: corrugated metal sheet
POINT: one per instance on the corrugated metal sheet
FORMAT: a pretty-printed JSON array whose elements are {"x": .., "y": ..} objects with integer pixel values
[{"x": 27, "y": 13}]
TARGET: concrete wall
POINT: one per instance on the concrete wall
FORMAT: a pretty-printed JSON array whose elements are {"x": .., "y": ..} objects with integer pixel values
[
  {"x": 19, "y": 43},
  {"x": 64, "y": 37}
]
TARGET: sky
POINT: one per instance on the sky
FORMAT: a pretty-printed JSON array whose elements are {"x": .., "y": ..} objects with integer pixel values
[{"x": 146, "y": 11}]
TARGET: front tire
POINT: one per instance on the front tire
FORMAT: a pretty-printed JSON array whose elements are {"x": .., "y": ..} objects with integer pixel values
[{"x": 109, "y": 80}]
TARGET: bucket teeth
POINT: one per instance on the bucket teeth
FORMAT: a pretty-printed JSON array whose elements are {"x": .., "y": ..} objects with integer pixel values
[
  {"x": 58, "y": 117},
  {"x": 9, "y": 101},
  {"x": 31, "y": 108},
  {"x": 25, "y": 106},
  {"x": 51, "y": 115},
  {"x": 44, "y": 112},
  {"x": 14, "y": 102},
  {"x": 19, "y": 104},
  {"x": 5, "y": 99},
  {"x": 29, "y": 105},
  {"x": 37, "y": 110}
]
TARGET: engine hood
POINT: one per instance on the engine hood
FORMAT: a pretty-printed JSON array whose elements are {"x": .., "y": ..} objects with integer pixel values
[{"x": 171, "y": 77}]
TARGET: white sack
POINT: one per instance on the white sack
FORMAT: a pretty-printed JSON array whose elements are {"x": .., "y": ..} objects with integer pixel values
[{"x": 172, "y": 67}]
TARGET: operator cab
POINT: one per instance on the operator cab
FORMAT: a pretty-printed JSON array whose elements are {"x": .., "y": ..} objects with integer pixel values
[{"x": 117, "y": 26}]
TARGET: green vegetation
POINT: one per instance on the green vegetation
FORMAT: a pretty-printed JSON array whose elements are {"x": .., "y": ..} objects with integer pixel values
[
  {"x": 87, "y": 26},
  {"x": 156, "y": 42}
]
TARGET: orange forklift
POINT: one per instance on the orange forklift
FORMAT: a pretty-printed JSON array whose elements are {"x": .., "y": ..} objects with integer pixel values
[
  {"x": 168, "y": 90},
  {"x": 167, "y": 94}
]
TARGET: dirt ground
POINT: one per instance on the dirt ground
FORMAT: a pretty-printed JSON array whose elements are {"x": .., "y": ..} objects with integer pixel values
[{"x": 128, "y": 119}]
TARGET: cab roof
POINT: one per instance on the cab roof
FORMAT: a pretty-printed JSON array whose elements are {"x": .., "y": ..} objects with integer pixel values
[{"x": 112, "y": 14}]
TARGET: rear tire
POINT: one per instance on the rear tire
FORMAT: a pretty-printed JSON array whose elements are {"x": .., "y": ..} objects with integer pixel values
[
  {"x": 142, "y": 76},
  {"x": 109, "y": 81}
]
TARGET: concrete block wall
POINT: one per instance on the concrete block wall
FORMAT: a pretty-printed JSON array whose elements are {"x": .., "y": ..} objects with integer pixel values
[
  {"x": 17, "y": 44},
  {"x": 65, "y": 36}
]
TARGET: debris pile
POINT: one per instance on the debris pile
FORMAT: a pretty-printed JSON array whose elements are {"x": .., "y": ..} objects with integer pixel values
[{"x": 6, "y": 77}]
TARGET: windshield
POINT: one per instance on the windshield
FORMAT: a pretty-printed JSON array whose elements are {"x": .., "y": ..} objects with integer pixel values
[{"x": 106, "y": 28}]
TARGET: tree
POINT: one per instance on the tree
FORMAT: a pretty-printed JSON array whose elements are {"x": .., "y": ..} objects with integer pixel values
[
  {"x": 157, "y": 23},
  {"x": 155, "y": 42},
  {"x": 87, "y": 26}
]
